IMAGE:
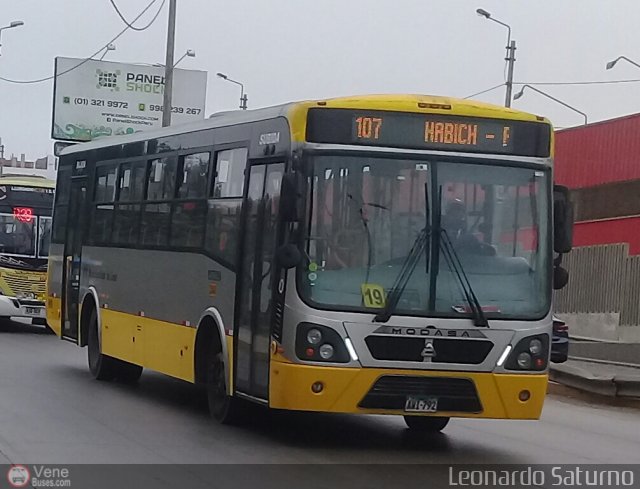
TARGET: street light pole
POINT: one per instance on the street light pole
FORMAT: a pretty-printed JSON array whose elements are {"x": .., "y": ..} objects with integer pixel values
[
  {"x": 168, "y": 65},
  {"x": 15, "y": 23},
  {"x": 611, "y": 64},
  {"x": 243, "y": 96},
  {"x": 110, "y": 47},
  {"x": 511, "y": 55},
  {"x": 511, "y": 60},
  {"x": 521, "y": 93}
]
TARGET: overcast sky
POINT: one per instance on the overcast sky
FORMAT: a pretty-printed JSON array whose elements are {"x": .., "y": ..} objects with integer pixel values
[{"x": 286, "y": 50}]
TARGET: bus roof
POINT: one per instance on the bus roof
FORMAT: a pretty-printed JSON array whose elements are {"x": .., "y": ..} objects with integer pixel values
[
  {"x": 27, "y": 181},
  {"x": 296, "y": 113}
]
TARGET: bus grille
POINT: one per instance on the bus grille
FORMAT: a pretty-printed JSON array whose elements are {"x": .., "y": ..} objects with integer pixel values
[
  {"x": 403, "y": 349},
  {"x": 24, "y": 284},
  {"x": 453, "y": 394}
]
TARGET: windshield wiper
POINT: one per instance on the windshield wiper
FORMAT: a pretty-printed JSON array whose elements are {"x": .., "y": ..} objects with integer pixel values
[
  {"x": 420, "y": 245},
  {"x": 400, "y": 283},
  {"x": 453, "y": 260}
]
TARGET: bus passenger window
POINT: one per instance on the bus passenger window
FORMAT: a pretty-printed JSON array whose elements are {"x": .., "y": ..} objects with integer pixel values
[
  {"x": 105, "y": 183},
  {"x": 101, "y": 222},
  {"x": 131, "y": 181},
  {"x": 125, "y": 226},
  {"x": 194, "y": 170},
  {"x": 154, "y": 230},
  {"x": 162, "y": 176},
  {"x": 223, "y": 222},
  {"x": 230, "y": 167},
  {"x": 187, "y": 224}
]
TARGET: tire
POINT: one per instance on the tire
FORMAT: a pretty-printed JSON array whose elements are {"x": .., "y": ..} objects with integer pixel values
[
  {"x": 426, "y": 424},
  {"x": 128, "y": 373},
  {"x": 102, "y": 367},
  {"x": 43, "y": 322},
  {"x": 224, "y": 408}
]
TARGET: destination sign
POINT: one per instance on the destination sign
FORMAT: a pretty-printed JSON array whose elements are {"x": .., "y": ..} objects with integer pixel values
[{"x": 428, "y": 131}]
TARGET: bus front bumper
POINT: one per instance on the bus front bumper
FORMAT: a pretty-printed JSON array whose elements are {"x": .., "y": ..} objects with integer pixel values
[
  {"x": 13, "y": 307},
  {"x": 384, "y": 391}
]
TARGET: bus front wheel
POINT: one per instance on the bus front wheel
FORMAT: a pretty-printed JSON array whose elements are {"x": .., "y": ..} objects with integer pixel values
[
  {"x": 425, "y": 424},
  {"x": 223, "y": 407},
  {"x": 101, "y": 366},
  {"x": 104, "y": 367}
]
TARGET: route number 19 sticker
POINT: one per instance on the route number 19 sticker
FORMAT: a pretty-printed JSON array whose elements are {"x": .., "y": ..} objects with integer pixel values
[{"x": 373, "y": 295}]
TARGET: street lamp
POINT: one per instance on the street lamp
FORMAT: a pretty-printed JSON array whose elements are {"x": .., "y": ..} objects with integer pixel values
[
  {"x": 15, "y": 23},
  {"x": 511, "y": 54},
  {"x": 190, "y": 53},
  {"x": 243, "y": 96},
  {"x": 109, "y": 47},
  {"x": 521, "y": 92},
  {"x": 611, "y": 64}
]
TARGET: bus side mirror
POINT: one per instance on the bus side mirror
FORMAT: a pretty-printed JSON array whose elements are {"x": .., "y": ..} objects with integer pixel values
[
  {"x": 560, "y": 278},
  {"x": 288, "y": 256},
  {"x": 289, "y": 198},
  {"x": 562, "y": 220}
]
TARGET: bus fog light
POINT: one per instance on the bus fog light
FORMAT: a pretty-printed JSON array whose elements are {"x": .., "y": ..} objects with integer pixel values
[
  {"x": 314, "y": 336},
  {"x": 524, "y": 395},
  {"x": 326, "y": 351},
  {"x": 524, "y": 360},
  {"x": 317, "y": 387},
  {"x": 535, "y": 347}
]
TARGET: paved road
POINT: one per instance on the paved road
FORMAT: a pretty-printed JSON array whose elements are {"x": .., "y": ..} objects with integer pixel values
[{"x": 51, "y": 411}]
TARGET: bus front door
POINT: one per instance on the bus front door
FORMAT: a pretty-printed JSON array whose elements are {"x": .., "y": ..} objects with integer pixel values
[
  {"x": 72, "y": 256},
  {"x": 255, "y": 281}
]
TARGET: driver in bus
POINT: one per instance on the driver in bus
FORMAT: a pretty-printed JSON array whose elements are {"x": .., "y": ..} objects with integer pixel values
[{"x": 454, "y": 222}]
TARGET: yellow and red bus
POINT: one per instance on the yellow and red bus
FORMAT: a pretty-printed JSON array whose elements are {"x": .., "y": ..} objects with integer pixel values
[
  {"x": 26, "y": 204},
  {"x": 370, "y": 254}
]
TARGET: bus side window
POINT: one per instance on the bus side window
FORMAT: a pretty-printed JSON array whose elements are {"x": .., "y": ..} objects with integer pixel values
[
  {"x": 223, "y": 223},
  {"x": 162, "y": 178},
  {"x": 192, "y": 176},
  {"x": 230, "y": 166},
  {"x": 223, "y": 216},
  {"x": 104, "y": 195}
]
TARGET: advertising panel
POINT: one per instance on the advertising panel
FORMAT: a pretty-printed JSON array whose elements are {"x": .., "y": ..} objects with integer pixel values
[{"x": 102, "y": 98}]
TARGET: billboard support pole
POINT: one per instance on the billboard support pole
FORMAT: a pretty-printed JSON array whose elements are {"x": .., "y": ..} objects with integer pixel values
[{"x": 168, "y": 65}]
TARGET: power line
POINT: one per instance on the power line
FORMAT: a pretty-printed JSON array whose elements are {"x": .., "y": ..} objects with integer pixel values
[
  {"x": 40, "y": 80},
  {"x": 569, "y": 83},
  {"x": 130, "y": 24},
  {"x": 484, "y": 91},
  {"x": 592, "y": 82}
]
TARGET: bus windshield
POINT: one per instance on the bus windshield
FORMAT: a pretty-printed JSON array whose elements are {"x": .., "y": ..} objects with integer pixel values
[
  {"x": 366, "y": 213},
  {"x": 25, "y": 236}
]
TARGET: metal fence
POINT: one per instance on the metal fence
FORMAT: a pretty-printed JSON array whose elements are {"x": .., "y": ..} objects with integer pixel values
[{"x": 602, "y": 279}]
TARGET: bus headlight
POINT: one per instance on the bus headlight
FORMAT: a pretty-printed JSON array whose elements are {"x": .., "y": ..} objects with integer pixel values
[
  {"x": 531, "y": 353},
  {"x": 535, "y": 346},
  {"x": 326, "y": 351},
  {"x": 524, "y": 360},
  {"x": 314, "y": 336},
  {"x": 317, "y": 343}
]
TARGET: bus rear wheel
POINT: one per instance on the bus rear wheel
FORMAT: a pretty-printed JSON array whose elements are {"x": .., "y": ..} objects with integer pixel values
[
  {"x": 224, "y": 408},
  {"x": 426, "y": 424}
]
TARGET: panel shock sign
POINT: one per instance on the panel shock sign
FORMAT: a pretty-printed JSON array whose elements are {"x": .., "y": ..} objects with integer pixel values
[{"x": 429, "y": 131}]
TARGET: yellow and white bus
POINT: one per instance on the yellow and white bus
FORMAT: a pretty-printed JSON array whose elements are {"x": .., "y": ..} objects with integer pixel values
[
  {"x": 26, "y": 204},
  {"x": 370, "y": 254}
]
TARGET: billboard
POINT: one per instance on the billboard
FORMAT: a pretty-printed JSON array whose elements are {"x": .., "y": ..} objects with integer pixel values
[{"x": 102, "y": 98}]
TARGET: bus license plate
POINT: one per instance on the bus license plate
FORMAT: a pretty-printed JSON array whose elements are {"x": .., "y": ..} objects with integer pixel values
[
  {"x": 421, "y": 404},
  {"x": 33, "y": 311}
]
